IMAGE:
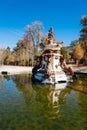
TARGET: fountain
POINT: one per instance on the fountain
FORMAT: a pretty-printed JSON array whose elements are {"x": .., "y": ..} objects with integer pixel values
[{"x": 52, "y": 68}]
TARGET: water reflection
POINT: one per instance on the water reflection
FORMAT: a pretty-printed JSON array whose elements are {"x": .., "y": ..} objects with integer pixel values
[
  {"x": 52, "y": 97},
  {"x": 24, "y": 105},
  {"x": 80, "y": 84},
  {"x": 1, "y": 80},
  {"x": 49, "y": 97}
]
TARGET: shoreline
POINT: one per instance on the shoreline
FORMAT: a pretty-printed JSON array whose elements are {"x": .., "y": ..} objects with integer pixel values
[
  {"x": 11, "y": 70},
  {"x": 79, "y": 69}
]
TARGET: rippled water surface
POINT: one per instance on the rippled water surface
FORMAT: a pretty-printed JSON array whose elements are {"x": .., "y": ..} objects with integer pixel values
[{"x": 25, "y": 106}]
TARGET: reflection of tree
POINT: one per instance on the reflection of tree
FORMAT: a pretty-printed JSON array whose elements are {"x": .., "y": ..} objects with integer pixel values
[
  {"x": 80, "y": 87},
  {"x": 82, "y": 113},
  {"x": 2, "y": 84},
  {"x": 7, "y": 77},
  {"x": 79, "y": 84},
  {"x": 21, "y": 80},
  {"x": 1, "y": 81},
  {"x": 23, "y": 84},
  {"x": 3, "y": 77}
]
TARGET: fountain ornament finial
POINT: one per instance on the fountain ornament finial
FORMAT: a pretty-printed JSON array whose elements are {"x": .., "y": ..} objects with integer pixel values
[
  {"x": 50, "y": 35},
  {"x": 51, "y": 30}
]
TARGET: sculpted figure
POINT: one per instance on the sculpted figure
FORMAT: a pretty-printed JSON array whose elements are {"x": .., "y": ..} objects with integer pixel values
[{"x": 50, "y": 36}]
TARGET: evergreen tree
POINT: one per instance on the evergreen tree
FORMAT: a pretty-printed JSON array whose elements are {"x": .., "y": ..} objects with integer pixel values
[{"x": 83, "y": 34}]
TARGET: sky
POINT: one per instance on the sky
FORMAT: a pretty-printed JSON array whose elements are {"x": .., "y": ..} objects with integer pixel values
[{"x": 63, "y": 15}]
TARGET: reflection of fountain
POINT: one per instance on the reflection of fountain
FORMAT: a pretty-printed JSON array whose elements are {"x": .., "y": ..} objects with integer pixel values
[
  {"x": 55, "y": 93},
  {"x": 52, "y": 68},
  {"x": 51, "y": 97}
]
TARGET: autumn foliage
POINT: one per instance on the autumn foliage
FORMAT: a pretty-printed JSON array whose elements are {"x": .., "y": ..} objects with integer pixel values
[{"x": 78, "y": 52}]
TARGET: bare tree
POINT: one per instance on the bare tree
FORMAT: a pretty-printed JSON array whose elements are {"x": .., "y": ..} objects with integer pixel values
[{"x": 33, "y": 34}]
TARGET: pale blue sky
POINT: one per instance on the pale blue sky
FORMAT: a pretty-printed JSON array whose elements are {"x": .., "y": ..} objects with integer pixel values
[{"x": 62, "y": 15}]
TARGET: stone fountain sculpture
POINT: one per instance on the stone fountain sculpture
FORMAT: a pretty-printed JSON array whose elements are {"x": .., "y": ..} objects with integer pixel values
[{"x": 52, "y": 68}]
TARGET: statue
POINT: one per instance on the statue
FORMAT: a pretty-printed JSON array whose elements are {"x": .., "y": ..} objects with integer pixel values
[
  {"x": 50, "y": 35},
  {"x": 52, "y": 68}
]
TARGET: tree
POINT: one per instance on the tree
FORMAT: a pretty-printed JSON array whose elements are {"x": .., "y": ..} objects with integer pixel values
[
  {"x": 43, "y": 41},
  {"x": 10, "y": 59},
  {"x": 83, "y": 34},
  {"x": 78, "y": 52},
  {"x": 65, "y": 53},
  {"x": 83, "y": 20},
  {"x": 8, "y": 53},
  {"x": 72, "y": 45},
  {"x": 3, "y": 54},
  {"x": 8, "y": 49},
  {"x": 23, "y": 52},
  {"x": 33, "y": 32}
]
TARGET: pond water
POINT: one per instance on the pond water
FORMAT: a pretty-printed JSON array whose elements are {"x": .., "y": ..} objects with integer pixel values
[{"x": 25, "y": 106}]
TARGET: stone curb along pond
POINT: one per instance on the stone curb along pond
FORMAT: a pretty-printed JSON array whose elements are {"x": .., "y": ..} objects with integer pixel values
[
  {"x": 79, "y": 70},
  {"x": 10, "y": 70}
]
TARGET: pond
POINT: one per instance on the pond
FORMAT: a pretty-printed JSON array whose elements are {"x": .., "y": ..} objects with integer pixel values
[{"x": 26, "y": 106}]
